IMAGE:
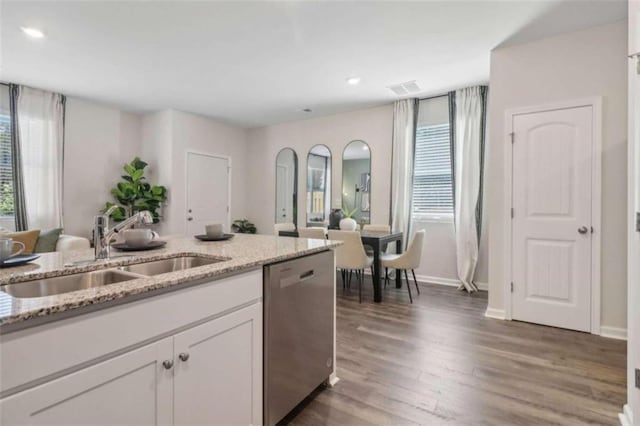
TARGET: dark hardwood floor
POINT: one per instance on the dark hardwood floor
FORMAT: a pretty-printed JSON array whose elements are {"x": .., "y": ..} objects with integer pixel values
[{"x": 440, "y": 361}]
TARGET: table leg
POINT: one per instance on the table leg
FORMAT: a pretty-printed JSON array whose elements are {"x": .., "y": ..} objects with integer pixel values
[
  {"x": 398, "y": 271},
  {"x": 377, "y": 291}
]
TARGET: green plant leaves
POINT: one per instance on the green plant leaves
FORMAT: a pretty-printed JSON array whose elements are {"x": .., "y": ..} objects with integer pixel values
[
  {"x": 134, "y": 194},
  {"x": 243, "y": 226}
]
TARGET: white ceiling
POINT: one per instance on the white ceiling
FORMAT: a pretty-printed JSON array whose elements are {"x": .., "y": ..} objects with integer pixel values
[{"x": 259, "y": 63}]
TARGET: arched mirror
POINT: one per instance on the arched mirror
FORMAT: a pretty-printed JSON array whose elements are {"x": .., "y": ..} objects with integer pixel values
[
  {"x": 318, "y": 186},
  {"x": 356, "y": 181},
  {"x": 287, "y": 186}
]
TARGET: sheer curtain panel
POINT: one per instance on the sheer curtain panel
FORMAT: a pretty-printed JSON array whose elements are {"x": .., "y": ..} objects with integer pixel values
[
  {"x": 467, "y": 160},
  {"x": 40, "y": 127},
  {"x": 404, "y": 129}
]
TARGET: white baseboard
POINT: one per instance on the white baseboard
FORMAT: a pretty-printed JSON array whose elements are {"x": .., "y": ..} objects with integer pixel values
[
  {"x": 626, "y": 417},
  {"x": 482, "y": 286},
  {"x": 613, "y": 332},
  {"x": 451, "y": 282},
  {"x": 495, "y": 313},
  {"x": 438, "y": 280}
]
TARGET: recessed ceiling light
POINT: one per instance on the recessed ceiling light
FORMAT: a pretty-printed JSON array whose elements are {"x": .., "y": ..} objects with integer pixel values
[
  {"x": 353, "y": 81},
  {"x": 32, "y": 32}
]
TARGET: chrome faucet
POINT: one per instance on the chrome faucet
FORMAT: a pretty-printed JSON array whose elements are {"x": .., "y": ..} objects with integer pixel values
[{"x": 102, "y": 235}]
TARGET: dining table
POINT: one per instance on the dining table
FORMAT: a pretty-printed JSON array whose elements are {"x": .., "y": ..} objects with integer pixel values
[{"x": 378, "y": 241}]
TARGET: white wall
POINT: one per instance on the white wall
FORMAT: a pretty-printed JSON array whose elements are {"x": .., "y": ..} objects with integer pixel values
[
  {"x": 168, "y": 135},
  {"x": 570, "y": 66},
  {"x": 98, "y": 141},
  {"x": 374, "y": 126},
  {"x": 157, "y": 151},
  {"x": 370, "y": 125}
]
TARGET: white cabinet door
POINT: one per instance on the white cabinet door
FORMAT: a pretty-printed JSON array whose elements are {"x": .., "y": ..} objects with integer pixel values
[
  {"x": 218, "y": 371},
  {"x": 133, "y": 388}
]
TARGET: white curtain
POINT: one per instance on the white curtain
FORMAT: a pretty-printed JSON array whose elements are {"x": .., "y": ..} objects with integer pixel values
[
  {"x": 404, "y": 113},
  {"x": 40, "y": 116},
  {"x": 468, "y": 148}
]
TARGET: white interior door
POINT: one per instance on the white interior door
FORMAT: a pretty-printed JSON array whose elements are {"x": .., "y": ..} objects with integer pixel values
[
  {"x": 551, "y": 226},
  {"x": 207, "y": 192}
]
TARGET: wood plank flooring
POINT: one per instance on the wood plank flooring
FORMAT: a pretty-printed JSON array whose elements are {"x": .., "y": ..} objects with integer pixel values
[{"x": 440, "y": 361}]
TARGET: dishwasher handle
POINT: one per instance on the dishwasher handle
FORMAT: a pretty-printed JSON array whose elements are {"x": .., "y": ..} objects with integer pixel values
[{"x": 296, "y": 279}]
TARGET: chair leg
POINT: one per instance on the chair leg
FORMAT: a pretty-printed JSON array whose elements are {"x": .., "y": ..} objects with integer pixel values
[
  {"x": 406, "y": 277},
  {"x": 360, "y": 276},
  {"x": 344, "y": 280},
  {"x": 350, "y": 278},
  {"x": 415, "y": 281},
  {"x": 386, "y": 277}
]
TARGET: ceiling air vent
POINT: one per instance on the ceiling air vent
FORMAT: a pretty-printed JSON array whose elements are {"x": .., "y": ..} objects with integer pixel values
[{"x": 405, "y": 88}]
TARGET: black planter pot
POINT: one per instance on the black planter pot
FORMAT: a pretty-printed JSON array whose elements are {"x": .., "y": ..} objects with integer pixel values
[{"x": 334, "y": 219}]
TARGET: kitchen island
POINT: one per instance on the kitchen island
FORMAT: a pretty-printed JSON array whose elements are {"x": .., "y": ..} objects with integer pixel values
[{"x": 183, "y": 346}]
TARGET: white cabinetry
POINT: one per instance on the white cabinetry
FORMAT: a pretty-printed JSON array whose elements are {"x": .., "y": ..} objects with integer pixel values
[
  {"x": 193, "y": 356},
  {"x": 218, "y": 373},
  {"x": 133, "y": 388}
]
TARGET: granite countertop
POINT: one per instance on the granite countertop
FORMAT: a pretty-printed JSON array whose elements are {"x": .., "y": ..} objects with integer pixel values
[{"x": 243, "y": 252}]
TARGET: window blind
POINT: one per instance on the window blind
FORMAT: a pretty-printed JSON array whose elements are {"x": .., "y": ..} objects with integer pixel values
[
  {"x": 432, "y": 183},
  {"x": 6, "y": 170}
]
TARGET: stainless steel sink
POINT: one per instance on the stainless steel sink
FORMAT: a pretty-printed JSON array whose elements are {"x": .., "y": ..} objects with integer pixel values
[
  {"x": 168, "y": 265},
  {"x": 67, "y": 283},
  {"x": 75, "y": 282}
]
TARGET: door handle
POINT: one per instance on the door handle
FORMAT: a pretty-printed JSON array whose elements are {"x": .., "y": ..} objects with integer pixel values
[{"x": 583, "y": 230}]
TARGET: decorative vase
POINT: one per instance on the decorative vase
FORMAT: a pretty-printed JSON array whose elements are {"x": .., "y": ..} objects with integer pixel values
[{"x": 348, "y": 224}]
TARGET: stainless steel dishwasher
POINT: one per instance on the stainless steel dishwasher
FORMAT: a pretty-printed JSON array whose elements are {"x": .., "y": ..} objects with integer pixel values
[{"x": 298, "y": 331}]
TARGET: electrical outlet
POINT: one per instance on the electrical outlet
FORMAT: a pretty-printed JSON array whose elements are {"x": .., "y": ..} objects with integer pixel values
[{"x": 638, "y": 378}]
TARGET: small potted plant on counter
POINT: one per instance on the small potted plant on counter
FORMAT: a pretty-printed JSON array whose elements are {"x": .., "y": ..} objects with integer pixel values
[{"x": 243, "y": 226}]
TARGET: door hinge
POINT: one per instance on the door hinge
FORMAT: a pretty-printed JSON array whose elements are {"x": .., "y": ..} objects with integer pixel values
[
  {"x": 511, "y": 287},
  {"x": 513, "y": 212},
  {"x": 512, "y": 136}
]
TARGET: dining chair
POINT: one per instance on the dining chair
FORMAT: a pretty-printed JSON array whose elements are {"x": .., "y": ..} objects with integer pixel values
[
  {"x": 409, "y": 260},
  {"x": 372, "y": 227},
  {"x": 312, "y": 232},
  {"x": 376, "y": 228},
  {"x": 351, "y": 257},
  {"x": 284, "y": 227}
]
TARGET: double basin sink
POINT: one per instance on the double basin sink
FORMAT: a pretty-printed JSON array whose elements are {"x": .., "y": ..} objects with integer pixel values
[{"x": 85, "y": 280}]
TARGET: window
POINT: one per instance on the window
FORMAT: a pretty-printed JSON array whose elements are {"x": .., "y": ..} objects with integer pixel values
[
  {"x": 432, "y": 181},
  {"x": 6, "y": 170}
]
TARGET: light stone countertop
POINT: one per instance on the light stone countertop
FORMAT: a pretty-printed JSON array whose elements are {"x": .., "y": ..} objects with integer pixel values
[{"x": 243, "y": 252}]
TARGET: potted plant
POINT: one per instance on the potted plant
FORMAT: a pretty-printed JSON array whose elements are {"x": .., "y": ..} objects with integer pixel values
[
  {"x": 348, "y": 223},
  {"x": 134, "y": 194},
  {"x": 243, "y": 226}
]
